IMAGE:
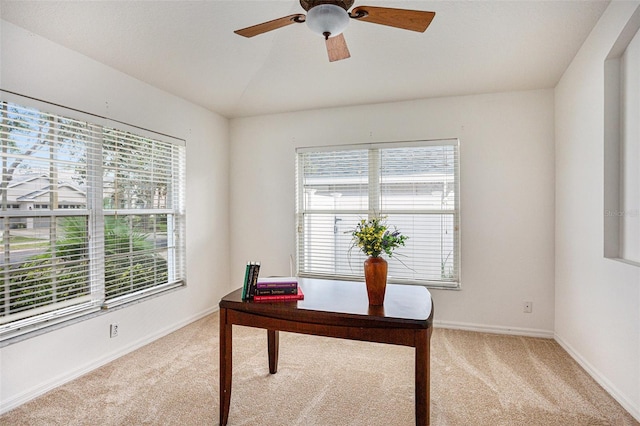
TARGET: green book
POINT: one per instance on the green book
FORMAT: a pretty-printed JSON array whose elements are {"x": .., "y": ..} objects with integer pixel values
[{"x": 245, "y": 286}]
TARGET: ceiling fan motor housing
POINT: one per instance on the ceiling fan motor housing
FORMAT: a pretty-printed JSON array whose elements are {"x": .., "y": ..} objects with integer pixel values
[{"x": 309, "y": 4}]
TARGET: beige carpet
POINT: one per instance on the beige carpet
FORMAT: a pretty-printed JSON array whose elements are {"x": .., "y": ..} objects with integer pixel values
[{"x": 477, "y": 379}]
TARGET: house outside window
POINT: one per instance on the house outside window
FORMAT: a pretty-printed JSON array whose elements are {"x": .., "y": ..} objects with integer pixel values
[
  {"x": 91, "y": 214},
  {"x": 415, "y": 185}
]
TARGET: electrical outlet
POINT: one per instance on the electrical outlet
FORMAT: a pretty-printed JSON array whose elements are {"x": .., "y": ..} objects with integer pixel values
[
  {"x": 114, "y": 330},
  {"x": 528, "y": 307}
]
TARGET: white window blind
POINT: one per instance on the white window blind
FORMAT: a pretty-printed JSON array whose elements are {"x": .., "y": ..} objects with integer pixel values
[
  {"x": 413, "y": 184},
  {"x": 91, "y": 216},
  {"x": 143, "y": 190}
]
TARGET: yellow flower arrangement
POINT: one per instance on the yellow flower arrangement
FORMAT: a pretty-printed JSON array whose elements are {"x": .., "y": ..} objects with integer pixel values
[{"x": 373, "y": 237}]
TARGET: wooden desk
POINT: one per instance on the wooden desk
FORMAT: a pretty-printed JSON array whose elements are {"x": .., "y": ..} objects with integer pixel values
[{"x": 335, "y": 309}]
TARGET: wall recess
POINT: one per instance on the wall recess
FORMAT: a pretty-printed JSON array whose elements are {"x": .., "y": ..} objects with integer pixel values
[{"x": 622, "y": 146}]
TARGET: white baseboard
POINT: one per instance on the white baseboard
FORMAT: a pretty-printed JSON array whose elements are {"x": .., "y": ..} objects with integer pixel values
[
  {"x": 28, "y": 395},
  {"x": 632, "y": 407},
  {"x": 495, "y": 329}
]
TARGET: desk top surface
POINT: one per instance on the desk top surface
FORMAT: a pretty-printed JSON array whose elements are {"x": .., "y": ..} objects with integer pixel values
[{"x": 403, "y": 304}]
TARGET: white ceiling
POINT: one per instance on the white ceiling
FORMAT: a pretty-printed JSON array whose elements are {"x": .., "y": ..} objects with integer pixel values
[{"x": 188, "y": 48}]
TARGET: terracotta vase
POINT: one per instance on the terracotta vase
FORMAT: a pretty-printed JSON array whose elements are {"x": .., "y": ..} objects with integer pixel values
[{"x": 375, "y": 276}]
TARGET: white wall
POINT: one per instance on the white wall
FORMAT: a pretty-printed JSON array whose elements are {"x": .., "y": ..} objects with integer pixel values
[
  {"x": 36, "y": 67},
  {"x": 597, "y": 314},
  {"x": 507, "y": 195}
]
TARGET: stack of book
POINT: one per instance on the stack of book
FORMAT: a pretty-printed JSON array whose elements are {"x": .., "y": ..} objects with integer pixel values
[
  {"x": 269, "y": 289},
  {"x": 277, "y": 289}
]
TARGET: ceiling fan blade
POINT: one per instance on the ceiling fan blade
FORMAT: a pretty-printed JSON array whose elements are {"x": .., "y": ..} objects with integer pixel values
[
  {"x": 337, "y": 48},
  {"x": 414, "y": 20},
  {"x": 270, "y": 25}
]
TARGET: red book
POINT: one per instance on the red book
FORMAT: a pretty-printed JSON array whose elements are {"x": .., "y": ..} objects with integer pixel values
[{"x": 280, "y": 297}]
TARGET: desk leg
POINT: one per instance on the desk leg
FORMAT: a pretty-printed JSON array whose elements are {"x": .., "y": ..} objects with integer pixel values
[
  {"x": 423, "y": 378},
  {"x": 226, "y": 366},
  {"x": 273, "y": 343}
]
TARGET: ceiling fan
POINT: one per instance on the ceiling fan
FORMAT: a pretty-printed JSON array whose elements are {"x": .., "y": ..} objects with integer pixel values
[{"x": 329, "y": 18}]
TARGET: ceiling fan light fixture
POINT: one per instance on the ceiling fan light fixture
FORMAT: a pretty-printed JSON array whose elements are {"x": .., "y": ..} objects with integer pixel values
[{"x": 327, "y": 20}]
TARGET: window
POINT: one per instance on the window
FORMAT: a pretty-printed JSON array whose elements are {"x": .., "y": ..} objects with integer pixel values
[
  {"x": 414, "y": 184},
  {"x": 92, "y": 215}
]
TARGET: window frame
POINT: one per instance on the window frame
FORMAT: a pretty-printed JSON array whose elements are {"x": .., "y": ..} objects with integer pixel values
[
  {"x": 94, "y": 213},
  {"x": 374, "y": 208}
]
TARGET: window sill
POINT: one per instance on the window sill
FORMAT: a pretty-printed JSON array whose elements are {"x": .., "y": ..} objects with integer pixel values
[
  {"x": 622, "y": 260},
  {"x": 90, "y": 315}
]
